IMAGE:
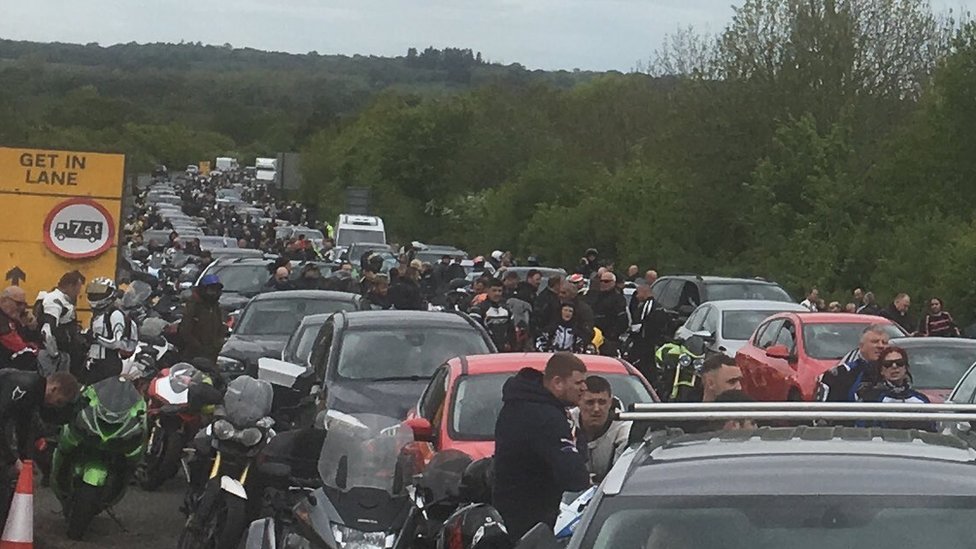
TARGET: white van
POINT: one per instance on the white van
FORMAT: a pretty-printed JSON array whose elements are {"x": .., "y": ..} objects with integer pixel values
[{"x": 353, "y": 229}]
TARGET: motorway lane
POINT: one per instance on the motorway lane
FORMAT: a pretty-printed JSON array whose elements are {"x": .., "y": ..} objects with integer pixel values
[{"x": 152, "y": 520}]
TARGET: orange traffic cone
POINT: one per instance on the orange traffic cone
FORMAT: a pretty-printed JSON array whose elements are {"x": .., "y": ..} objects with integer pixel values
[{"x": 19, "y": 530}]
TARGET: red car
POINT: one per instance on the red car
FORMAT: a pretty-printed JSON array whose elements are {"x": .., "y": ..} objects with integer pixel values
[
  {"x": 459, "y": 408},
  {"x": 788, "y": 351}
]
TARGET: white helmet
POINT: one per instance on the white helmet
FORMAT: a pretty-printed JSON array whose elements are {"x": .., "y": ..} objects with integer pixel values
[
  {"x": 497, "y": 255},
  {"x": 101, "y": 292}
]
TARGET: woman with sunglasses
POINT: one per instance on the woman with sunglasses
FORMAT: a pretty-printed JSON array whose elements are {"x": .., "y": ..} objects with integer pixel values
[{"x": 895, "y": 386}]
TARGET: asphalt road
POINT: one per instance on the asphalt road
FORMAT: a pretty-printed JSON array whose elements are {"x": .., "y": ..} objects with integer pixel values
[{"x": 152, "y": 520}]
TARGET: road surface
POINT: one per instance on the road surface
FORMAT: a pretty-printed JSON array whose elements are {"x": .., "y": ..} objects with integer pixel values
[{"x": 151, "y": 520}]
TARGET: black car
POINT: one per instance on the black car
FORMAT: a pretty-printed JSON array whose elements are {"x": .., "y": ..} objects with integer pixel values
[
  {"x": 268, "y": 321},
  {"x": 243, "y": 278},
  {"x": 681, "y": 294},
  {"x": 797, "y": 487},
  {"x": 379, "y": 362}
]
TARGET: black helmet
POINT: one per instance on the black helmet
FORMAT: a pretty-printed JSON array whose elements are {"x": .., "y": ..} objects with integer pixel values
[
  {"x": 532, "y": 261},
  {"x": 477, "y": 481},
  {"x": 591, "y": 251},
  {"x": 477, "y": 526}
]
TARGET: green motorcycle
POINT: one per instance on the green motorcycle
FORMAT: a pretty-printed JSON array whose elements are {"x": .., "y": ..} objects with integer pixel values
[{"x": 98, "y": 452}]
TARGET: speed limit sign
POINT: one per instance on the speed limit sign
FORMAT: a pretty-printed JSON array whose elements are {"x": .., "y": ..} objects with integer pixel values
[{"x": 79, "y": 228}]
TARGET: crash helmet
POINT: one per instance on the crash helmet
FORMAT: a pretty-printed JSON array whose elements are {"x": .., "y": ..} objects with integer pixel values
[
  {"x": 210, "y": 280},
  {"x": 497, "y": 255},
  {"x": 591, "y": 251},
  {"x": 101, "y": 292},
  {"x": 477, "y": 480},
  {"x": 477, "y": 526}
]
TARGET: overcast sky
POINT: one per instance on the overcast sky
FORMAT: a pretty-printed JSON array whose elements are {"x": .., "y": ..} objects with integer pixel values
[{"x": 547, "y": 34}]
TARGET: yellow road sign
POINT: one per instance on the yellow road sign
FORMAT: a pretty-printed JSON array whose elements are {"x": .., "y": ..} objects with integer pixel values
[
  {"x": 61, "y": 214},
  {"x": 204, "y": 167},
  {"x": 61, "y": 173}
]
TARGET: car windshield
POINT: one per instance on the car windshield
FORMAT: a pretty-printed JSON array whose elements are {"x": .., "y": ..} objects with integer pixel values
[
  {"x": 830, "y": 341},
  {"x": 797, "y": 522},
  {"x": 405, "y": 353},
  {"x": 282, "y": 316},
  {"x": 348, "y": 237},
  {"x": 739, "y": 325},
  {"x": 478, "y": 400},
  {"x": 721, "y": 291},
  {"x": 241, "y": 279},
  {"x": 300, "y": 345},
  {"x": 939, "y": 366}
]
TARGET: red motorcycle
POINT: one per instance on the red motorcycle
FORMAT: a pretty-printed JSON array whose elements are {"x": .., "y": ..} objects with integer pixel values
[{"x": 179, "y": 398}]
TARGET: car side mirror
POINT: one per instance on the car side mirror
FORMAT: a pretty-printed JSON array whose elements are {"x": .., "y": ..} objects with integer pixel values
[
  {"x": 422, "y": 429},
  {"x": 539, "y": 537},
  {"x": 279, "y": 372},
  {"x": 706, "y": 335},
  {"x": 780, "y": 352}
]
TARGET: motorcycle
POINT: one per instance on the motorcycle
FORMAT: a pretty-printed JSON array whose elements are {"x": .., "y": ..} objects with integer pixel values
[
  {"x": 436, "y": 495},
  {"x": 571, "y": 511},
  {"x": 178, "y": 398},
  {"x": 219, "y": 502},
  {"x": 365, "y": 467},
  {"x": 97, "y": 453},
  {"x": 678, "y": 367}
]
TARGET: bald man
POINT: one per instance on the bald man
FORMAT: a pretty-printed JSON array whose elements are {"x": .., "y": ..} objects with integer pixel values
[
  {"x": 18, "y": 346},
  {"x": 650, "y": 277}
]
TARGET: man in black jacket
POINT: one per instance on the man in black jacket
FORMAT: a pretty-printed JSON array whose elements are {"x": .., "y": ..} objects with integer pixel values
[
  {"x": 609, "y": 313},
  {"x": 537, "y": 455},
  {"x": 22, "y": 396}
]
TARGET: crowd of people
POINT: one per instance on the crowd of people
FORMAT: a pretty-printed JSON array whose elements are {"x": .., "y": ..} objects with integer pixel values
[{"x": 556, "y": 431}]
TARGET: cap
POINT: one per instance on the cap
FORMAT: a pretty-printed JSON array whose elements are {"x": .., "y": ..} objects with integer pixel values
[{"x": 575, "y": 278}]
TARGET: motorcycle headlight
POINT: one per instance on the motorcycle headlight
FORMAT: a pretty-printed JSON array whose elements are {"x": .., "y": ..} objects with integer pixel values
[
  {"x": 684, "y": 361},
  {"x": 697, "y": 364},
  {"x": 249, "y": 436},
  {"x": 350, "y": 538},
  {"x": 231, "y": 365},
  {"x": 223, "y": 430}
]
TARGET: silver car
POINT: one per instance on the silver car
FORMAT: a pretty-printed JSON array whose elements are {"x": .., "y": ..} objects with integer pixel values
[{"x": 727, "y": 325}]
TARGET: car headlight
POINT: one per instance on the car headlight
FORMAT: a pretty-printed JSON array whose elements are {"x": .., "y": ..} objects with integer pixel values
[
  {"x": 232, "y": 365},
  {"x": 350, "y": 538},
  {"x": 684, "y": 361}
]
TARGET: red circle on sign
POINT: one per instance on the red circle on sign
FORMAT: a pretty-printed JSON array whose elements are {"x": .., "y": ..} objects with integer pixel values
[{"x": 87, "y": 202}]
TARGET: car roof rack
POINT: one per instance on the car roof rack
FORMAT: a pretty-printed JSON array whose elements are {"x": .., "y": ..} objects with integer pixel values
[
  {"x": 798, "y": 411},
  {"x": 664, "y": 419}
]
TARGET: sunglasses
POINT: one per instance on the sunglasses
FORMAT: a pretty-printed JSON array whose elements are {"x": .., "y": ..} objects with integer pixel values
[{"x": 894, "y": 363}]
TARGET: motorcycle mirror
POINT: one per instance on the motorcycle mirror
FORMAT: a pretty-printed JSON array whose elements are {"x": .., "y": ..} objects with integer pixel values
[{"x": 539, "y": 537}]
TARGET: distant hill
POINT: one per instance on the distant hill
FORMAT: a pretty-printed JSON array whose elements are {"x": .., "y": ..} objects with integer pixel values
[{"x": 248, "y": 100}]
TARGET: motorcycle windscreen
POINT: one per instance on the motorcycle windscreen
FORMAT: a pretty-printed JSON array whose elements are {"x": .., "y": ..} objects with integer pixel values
[
  {"x": 367, "y": 451},
  {"x": 116, "y": 398},
  {"x": 247, "y": 400},
  {"x": 136, "y": 294}
]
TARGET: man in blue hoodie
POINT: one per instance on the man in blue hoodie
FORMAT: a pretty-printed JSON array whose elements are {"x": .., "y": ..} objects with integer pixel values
[{"x": 537, "y": 455}]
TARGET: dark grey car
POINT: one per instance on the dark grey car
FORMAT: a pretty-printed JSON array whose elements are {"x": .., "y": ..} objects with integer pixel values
[
  {"x": 797, "y": 487},
  {"x": 269, "y": 320},
  {"x": 379, "y": 362}
]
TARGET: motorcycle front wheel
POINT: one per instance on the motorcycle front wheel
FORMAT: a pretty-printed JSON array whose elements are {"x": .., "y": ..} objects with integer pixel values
[
  {"x": 84, "y": 507},
  {"x": 161, "y": 460},
  {"x": 222, "y": 529}
]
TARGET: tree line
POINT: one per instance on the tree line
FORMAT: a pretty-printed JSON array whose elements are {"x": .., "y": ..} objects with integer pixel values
[
  {"x": 181, "y": 103},
  {"x": 817, "y": 143}
]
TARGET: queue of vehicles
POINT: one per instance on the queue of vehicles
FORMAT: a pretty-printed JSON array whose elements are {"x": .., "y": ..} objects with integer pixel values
[{"x": 409, "y": 399}]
